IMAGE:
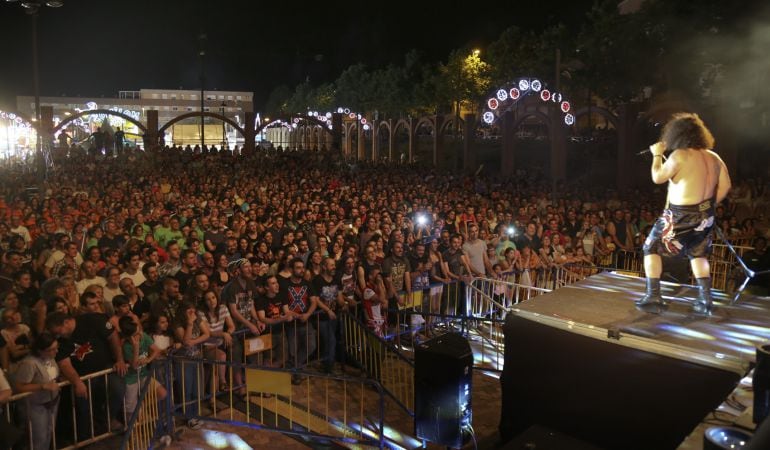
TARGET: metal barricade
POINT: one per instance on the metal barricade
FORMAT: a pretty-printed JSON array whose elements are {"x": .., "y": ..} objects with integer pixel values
[
  {"x": 290, "y": 401},
  {"x": 380, "y": 360},
  {"x": 85, "y": 426}
]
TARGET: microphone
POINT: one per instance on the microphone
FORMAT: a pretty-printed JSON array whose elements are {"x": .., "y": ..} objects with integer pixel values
[{"x": 647, "y": 150}]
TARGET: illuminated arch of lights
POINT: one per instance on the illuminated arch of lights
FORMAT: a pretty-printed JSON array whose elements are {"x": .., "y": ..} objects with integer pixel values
[
  {"x": 15, "y": 120},
  {"x": 326, "y": 118},
  {"x": 511, "y": 93}
]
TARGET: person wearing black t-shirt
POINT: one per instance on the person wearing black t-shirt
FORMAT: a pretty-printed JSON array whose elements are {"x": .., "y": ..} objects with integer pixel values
[
  {"x": 327, "y": 288},
  {"x": 87, "y": 344},
  {"x": 272, "y": 312},
  {"x": 239, "y": 295},
  {"x": 301, "y": 303}
]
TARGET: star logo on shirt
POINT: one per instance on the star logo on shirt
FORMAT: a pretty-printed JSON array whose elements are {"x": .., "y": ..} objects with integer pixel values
[{"x": 81, "y": 350}]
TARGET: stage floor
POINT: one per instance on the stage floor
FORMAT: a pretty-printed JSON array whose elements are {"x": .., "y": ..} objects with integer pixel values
[{"x": 606, "y": 300}]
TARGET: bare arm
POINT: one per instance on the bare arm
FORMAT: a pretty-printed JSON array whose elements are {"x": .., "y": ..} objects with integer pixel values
[{"x": 662, "y": 172}]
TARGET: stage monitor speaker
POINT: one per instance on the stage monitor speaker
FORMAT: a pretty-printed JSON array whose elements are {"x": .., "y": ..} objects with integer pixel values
[
  {"x": 611, "y": 394},
  {"x": 442, "y": 390}
]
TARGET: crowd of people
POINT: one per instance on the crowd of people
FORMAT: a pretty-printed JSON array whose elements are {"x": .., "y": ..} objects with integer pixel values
[{"x": 112, "y": 262}]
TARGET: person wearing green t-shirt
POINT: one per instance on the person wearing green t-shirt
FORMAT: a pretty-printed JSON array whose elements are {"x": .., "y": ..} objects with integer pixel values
[{"x": 138, "y": 351}]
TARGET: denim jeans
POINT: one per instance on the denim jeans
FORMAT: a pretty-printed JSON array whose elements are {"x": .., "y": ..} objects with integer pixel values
[
  {"x": 328, "y": 332},
  {"x": 186, "y": 373}
]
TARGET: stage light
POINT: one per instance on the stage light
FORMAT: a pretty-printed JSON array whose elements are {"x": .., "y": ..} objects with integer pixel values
[
  {"x": 565, "y": 107},
  {"x": 492, "y": 103},
  {"x": 514, "y": 93},
  {"x": 488, "y": 117},
  {"x": 523, "y": 85},
  {"x": 545, "y": 95},
  {"x": 502, "y": 95},
  {"x": 536, "y": 85},
  {"x": 569, "y": 119}
]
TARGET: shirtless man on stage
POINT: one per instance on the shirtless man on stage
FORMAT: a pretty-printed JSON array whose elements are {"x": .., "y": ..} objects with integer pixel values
[{"x": 697, "y": 181}]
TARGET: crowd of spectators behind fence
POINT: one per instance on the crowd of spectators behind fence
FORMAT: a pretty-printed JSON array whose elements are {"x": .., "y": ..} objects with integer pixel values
[{"x": 184, "y": 244}]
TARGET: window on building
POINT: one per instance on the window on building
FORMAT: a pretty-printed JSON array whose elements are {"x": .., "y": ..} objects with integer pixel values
[
  {"x": 221, "y": 97},
  {"x": 164, "y": 96},
  {"x": 229, "y": 97},
  {"x": 193, "y": 97},
  {"x": 154, "y": 95},
  {"x": 238, "y": 97}
]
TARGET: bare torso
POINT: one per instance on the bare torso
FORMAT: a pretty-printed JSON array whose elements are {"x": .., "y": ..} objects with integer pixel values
[{"x": 697, "y": 177}]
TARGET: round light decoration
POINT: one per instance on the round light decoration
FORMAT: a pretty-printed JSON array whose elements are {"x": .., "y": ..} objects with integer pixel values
[
  {"x": 522, "y": 88},
  {"x": 294, "y": 125},
  {"x": 352, "y": 115},
  {"x": 340, "y": 110},
  {"x": 346, "y": 111},
  {"x": 330, "y": 126},
  {"x": 363, "y": 120},
  {"x": 329, "y": 115},
  {"x": 296, "y": 120},
  {"x": 12, "y": 116},
  {"x": 366, "y": 127}
]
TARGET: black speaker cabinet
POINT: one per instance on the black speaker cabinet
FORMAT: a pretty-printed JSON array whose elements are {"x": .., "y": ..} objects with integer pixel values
[{"x": 442, "y": 390}]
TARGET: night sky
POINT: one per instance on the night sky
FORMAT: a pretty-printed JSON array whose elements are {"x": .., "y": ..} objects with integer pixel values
[{"x": 96, "y": 48}]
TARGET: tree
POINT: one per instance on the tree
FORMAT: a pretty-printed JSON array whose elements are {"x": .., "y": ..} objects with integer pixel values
[
  {"x": 464, "y": 79},
  {"x": 277, "y": 101}
]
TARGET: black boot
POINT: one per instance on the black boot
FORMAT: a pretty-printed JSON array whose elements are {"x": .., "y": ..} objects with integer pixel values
[
  {"x": 703, "y": 304},
  {"x": 652, "y": 302}
]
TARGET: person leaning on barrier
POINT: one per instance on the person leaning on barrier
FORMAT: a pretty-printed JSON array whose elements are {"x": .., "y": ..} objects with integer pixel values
[
  {"x": 88, "y": 344},
  {"x": 37, "y": 374},
  {"x": 272, "y": 312},
  {"x": 139, "y": 351}
]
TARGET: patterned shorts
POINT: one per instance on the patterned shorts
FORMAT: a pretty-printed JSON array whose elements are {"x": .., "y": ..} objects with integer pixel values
[{"x": 682, "y": 230}]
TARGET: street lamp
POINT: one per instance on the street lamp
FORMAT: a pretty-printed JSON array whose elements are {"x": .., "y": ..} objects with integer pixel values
[
  {"x": 202, "y": 53},
  {"x": 32, "y": 7},
  {"x": 223, "y": 125}
]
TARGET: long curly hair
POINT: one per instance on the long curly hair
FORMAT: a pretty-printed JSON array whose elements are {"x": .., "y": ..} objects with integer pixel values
[{"x": 686, "y": 130}]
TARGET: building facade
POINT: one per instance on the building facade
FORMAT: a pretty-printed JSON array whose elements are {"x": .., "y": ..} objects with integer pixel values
[{"x": 170, "y": 103}]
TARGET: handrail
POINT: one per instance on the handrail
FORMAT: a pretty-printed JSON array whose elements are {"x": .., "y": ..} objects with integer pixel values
[{"x": 64, "y": 383}]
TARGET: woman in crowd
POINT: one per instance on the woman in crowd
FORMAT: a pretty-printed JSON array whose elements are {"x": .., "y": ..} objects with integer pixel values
[{"x": 38, "y": 373}]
